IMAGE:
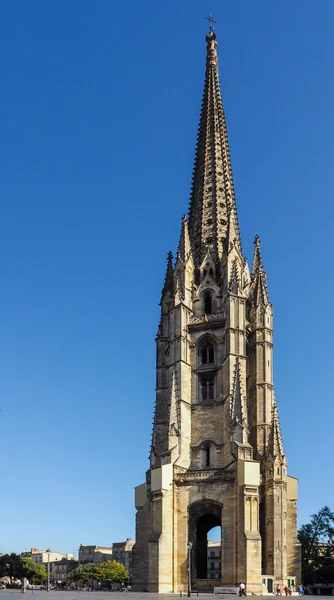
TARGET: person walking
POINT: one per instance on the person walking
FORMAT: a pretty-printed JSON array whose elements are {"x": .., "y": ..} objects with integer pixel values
[
  {"x": 242, "y": 591},
  {"x": 278, "y": 590},
  {"x": 290, "y": 590}
]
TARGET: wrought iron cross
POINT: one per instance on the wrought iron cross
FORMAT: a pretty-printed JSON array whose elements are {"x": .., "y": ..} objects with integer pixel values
[{"x": 211, "y": 21}]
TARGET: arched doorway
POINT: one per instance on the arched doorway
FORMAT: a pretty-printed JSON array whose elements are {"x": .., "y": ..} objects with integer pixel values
[{"x": 204, "y": 515}]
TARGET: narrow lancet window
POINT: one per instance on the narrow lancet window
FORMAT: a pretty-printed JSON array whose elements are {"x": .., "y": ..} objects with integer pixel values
[
  {"x": 207, "y": 455},
  {"x": 207, "y": 370},
  {"x": 208, "y": 355},
  {"x": 207, "y": 303},
  {"x": 207, "y": 388}
]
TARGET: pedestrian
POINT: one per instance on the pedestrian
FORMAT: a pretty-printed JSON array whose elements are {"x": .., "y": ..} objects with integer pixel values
[
  {"x": 290, "y": 590},
  {"x": 286, "y": 589},
  {"x": 300, "y": 590},
  {"x": 242, "y": 591},
  {"x": 278, "y": 590}
]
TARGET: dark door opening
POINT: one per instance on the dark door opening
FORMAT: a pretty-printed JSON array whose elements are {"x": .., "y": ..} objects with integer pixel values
[{"x": 204, "y": 524}]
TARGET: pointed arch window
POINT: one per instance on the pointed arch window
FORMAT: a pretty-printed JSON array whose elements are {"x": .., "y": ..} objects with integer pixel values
[
  {"x": 207, "y": 370},
  {"x": 207, "y": 455},
  {"x": 208, "y": 353},
  {"x": 207, "y": 388},
  {"x": 207, "y": 303}
]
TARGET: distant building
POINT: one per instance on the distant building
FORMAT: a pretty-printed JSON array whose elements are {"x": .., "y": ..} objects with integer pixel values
[
  {"x": 122, "y": 552},
  {"x": 94, "y": 554},
  {"x": 43, "y": 557},
  {"x": 214, "y": 560},
  {"x": 61, "y": 569},
  {"x": 28, "y": 554}
]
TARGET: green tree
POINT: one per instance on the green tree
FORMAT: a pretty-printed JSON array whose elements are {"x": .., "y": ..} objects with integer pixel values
[
  {"x": 11, "y": 565},
  {"x": 83, "y": 573},
  {"x": 325, "y": 573},
  {"x": 317, "y": 545},
  {"x": 111, "y": 572},
  {"x": 32, "y": 571},
  {"x": 16, "y": 567}
]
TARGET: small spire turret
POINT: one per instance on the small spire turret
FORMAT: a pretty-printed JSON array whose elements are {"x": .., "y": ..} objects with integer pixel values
[
  {"x": 232, "y": 234},
  {"x": 238, "y": 407},
  {"x": 275, "y": 443},
  {"x": 184, "y": 248},
  {"x": 257, "y": 260},
  {"x": 259, "y": 290},
  {"x": 174, "y": 410},
  {"x": 168, "y": 285}
]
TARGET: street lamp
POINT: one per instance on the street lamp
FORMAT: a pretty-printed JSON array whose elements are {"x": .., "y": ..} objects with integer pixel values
[
  {"x": 189, "y": 568},
  {"x": 48, "y": 553}
]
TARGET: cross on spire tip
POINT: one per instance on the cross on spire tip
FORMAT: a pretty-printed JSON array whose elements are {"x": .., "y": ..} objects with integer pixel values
[{"x": 211, "y": 22}]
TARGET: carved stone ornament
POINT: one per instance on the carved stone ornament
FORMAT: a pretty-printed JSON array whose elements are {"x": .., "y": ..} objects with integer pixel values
[{"x": 207, "y": 476}]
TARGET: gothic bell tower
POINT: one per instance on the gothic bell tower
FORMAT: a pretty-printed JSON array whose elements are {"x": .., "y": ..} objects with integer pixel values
[{"x": 217, "y": 456}]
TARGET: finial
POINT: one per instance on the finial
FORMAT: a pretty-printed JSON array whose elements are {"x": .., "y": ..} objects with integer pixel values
[
  {"x": 211, "y": 42},
  {"x": 211, "y": 21},
  {"x": 168, "y": 284},
  {"x": 184, "y": 250},
  {"x": 257, "y": 260}
]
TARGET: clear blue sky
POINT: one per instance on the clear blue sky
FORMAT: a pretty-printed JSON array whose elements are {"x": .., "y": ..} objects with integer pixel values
[{"x": 99, "y": 110}]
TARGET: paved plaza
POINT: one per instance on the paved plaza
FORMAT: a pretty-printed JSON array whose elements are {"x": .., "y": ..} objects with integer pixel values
[
  {"x": 74, "y": 595},
  {"x": 70, "y": 595}
]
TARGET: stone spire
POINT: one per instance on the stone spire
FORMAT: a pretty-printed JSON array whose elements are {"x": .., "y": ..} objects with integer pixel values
[
  {"x": 232, "y": 238},
  {"x": 217, "y": 456},
  {"x": 184, "y": 249},
  {"x": 212, "y": 202},
  {"x": 275, "y": 443},
  {"x": 259, "y": 278},
  {"x": 168, "y": 284},
  {"x": 257, "y": 260},
  {"x": 174, "y": 409},
  {"x": 238, "y": 406}
]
